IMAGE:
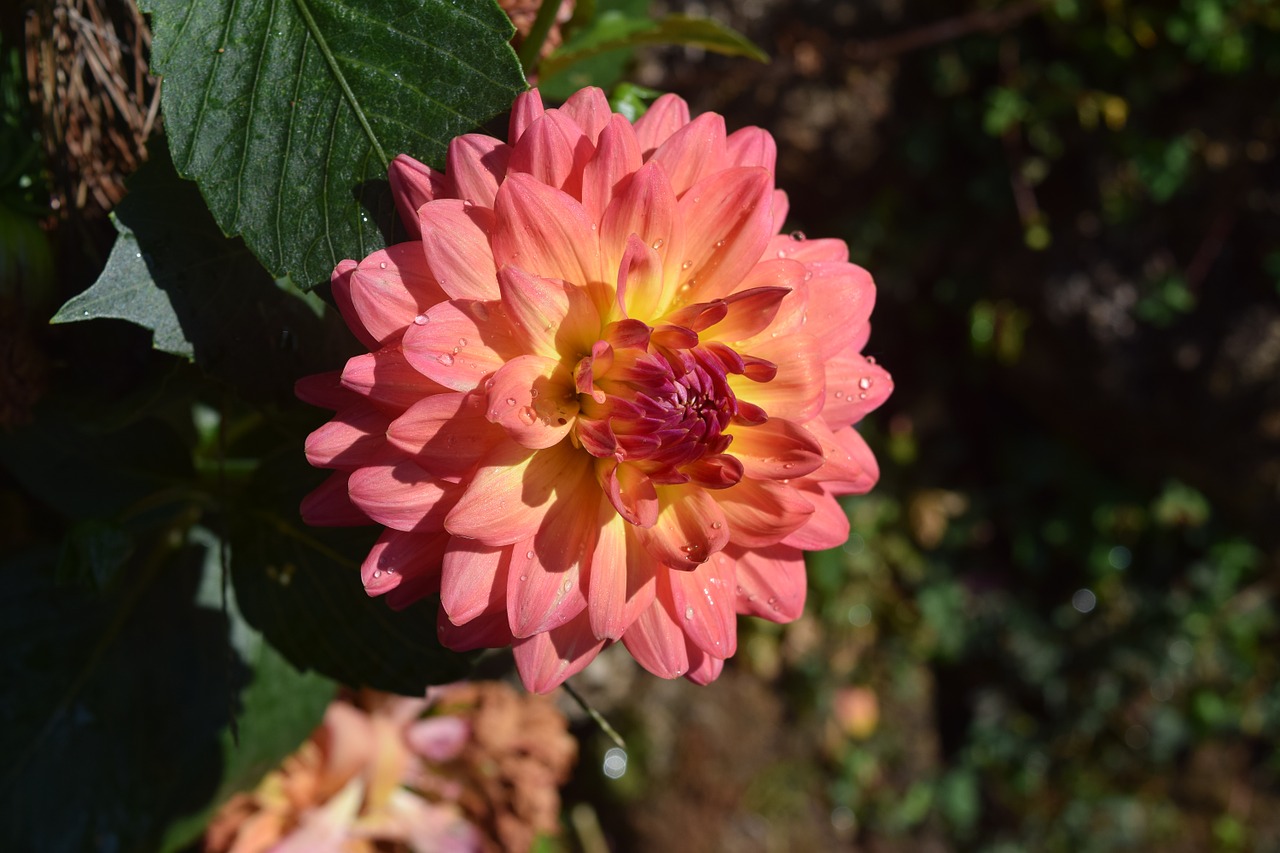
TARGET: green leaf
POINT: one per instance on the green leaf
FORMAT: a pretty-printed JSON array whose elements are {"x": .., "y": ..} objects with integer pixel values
[
  {"x": 613, "y": 30},
  {"x": 120, "y": 726},
  {"x": 204, "y": 295},
  {"x": 301, "y": 587},
  {"x": 288, "y": 113}
]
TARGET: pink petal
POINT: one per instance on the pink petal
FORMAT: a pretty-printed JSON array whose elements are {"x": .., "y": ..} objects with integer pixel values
[
  {"x": 749, "y": 312},
  {"x": 386, "y": 379},
  {"x": 689, "y": 529},
  {"x": 781, "y": 206},
  {"x": 703, "y": 668},
  {"x": 851, "y": 467},
  {"x": 727, "y": 222},
  {"x": 402, "y": 496},
  {"x": 455, "y": 237},
  {"x": 488, "y": 631},
  {"x": 854, "y": 387},
  {"x": 447, "y": 433},
  {"x": 473, "y": 579},
  {"x": 693, "y": 152},
  {"x": 704, "y": 597},
  {"x": 796, "y": 391},
  {"x": 777, "y": 449},
  {"x": 533, "y": 399},
  {"x": 452, "y": 347},
  {"x": 771, "y": 582},
  {"x": 438, "y": 739},
  {"x": 340, "y": 287},
  {"x": 545, "y": 660},
  {"x": 641, "y": 291},
  {"x": 509, "y": 494},
  {"x": 828, "y": 527},
  {"x": 630, "y": 491},
  {"x": 354, "y": 436},
  {"x": 841, "y": 296},
  {"x": 537, "y": 308},
  {"x": 390, "y": 287},
  {"x": 589, "y": 108},
  {"x": 762, "y": 512},
  {"x": 807, "y": 251},
  {"x": 620, "y": 584},
  {"x": 617, "y": 157},
  {"x": 544, "y": 232},
  {"x": 398, "y": 558},
  {"x": 527, "y": 108},
  {"x": 667, "y": 115},
  {"x": 544, "y": 582},
  {"x": 553, "y": 150},
  {"x": 751, "y": 146},
  {"x": 477, "y": 164},
  {"x": 326, "y": 391},
  {"x": 413, "y": 184},
  {"x": 329, "y": 505},
  {"x": 655, "y": 640},
  {"x": 647, "y": 208}
]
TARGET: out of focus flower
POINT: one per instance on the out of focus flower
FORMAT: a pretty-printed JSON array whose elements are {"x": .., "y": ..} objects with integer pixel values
[
  {"x": 480, "y": 773},
  {"x": 605, "y": 398},
  {"x": 346, "y": 789}
]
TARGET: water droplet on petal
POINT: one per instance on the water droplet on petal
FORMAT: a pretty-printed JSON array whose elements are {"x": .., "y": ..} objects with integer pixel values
[
  {"x": 481, "y": 312},
  {"x": 787, "y": 466},
  {"x": 445, "y": 359},
  {"x": 524, "y": 577},
  {"x": 839, "y": 395},
  {"x": 688, "y": 613},
  {"x": 782, "y": 253},
  {"x": 864, "y": 383},
  {"x": 528, "y": 555},
  {"x": 382, "y": 265},
  {"x": 862, "y": 395},
  {"x": 715, "y": 525},
  {"x": 528, "y": 416},
  {"x": 421, "y": 320},
  {"x": 808, "y": 275},
  {"x": 719, "y": 244},
  {"x": 511, "y": 401},
  {"x": 686, "y": 265},
  {"x": 466, "y": 202},
  {"x": 871, "y": 359},
  {"x": 533, "y": 393},
  {"x": 377, "y": 574},
  {"x": 797, "y": 235},
  {"x": 657, "y": 244},
  {"x": 568, "y": 585},
  {"x": 462, "y": 342}
]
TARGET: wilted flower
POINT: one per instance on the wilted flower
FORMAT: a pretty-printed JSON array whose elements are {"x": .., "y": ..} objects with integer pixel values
[{"x": 606, "y": 399}]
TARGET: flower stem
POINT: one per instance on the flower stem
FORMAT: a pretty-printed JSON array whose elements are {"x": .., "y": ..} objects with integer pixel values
[
  {"x": 596, "y": 717},
  {"x": 532, "y": 45}
]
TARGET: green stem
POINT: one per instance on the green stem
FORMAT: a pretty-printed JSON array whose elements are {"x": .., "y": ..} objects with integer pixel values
[
  {"x": 596, "y": 717},
  {"x": 532, "y": 45}
]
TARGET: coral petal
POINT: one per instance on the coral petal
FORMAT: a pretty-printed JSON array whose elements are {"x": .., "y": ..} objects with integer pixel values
[
  {"x": 527, "y": 108},
  {"x": 413, "y": 184},
  {"x": 329, "y": 504},
  {"x": 452, "y": 346},
  {"x": 777, "y": 449},
  {"x": 545, "y": 660},
  {"x": 390, "y": 287},
  {"x": 828, "y": 527},
  {"x": 762, "y": 512},
  {"x": 620, "y": 583},
  {"x": 532, "y": 398},
  {"x": 703, "y": 668},
  {"x": 477, "y": 164},
  {"x": 796, "y": 392},
  {"x": 544, "y": 232},
  {"x": 589, "y": 108},
  {"x": 690, "y": 528},
  {"x": 703, "y": 600},
  {"x": 455, "y": 238},
  {"x": 655, "y": 640},
  {"x": 447, "y": 433},
  {"x": 727, "y": 223},
  {"x": 752, "y": 146},
  {"x": 692, "y": 152},
  {"x": 854, "y": 387},
  {"x": 771, "y": 582},
  {"x": 617, "y": 157},
  {"x": 402, "y": 496},
  {"x": 354, "y": 436},
  {"x": 488, "y": 631},
  {"x": 387, "y": 379},
  {"x": 473, "y": 579},
  {"x": 664, "y": 117},
  {"x": 404, "y": 559}
]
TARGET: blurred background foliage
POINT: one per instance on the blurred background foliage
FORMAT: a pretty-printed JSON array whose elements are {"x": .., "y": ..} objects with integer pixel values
[{"x": 1055, "y": 624}]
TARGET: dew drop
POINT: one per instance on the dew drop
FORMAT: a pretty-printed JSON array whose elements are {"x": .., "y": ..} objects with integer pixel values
[
  {"x": 481, "y": 312},
  {"x": 797, "y": 236},
  {"x": 568, "y": 585},
  {"x": 382, "y": 265},
  {"x": 593, "y": 226},
  {"x": 839, "y": 395},
  {"x": 455, "y": 350},
  {"x": 871, "y": 359},
  {"x": 782, "y": 253},
  {"x": 511, "y": 401},
  {"x": 688, "y": 613},
  {"x": 686, "y": 265},
  {"x": 421, "y": 320},
  {"x": 524, "y": 577},
  {"x": 862, "y": 395},
  {"x": 719, "y": 244},
  {"x": 462, "y": 342},
  {"x": 528, "y": 416},
  {"x": 808, "y": 275},
  {"x": 787, "y": 466},
  {"x": 697, "y": 199},
  {"x": 864, "y": 383},
  {"x": 657, "y": 244},
  {"x": 533, "y": 393},
  {"x": 466, "y": 202},
  {"x": 377, "y": 574},
  {"x": 445, "y": 359},
  {"x": 488, "y": 384},
  {"x": 715, "y": 525},
  {"x": 528, "y": 555}
]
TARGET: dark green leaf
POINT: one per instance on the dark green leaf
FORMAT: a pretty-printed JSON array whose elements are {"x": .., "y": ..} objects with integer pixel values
[
  {"x": 288, "y": 113},
  {"x": 120, "y": 725},
  {"x": 613, "y": 30},
  {"x": 301, "y": 587},
  {"x": 205, "y": 296}
]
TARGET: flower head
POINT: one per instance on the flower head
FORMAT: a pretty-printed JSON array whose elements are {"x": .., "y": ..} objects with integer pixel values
[{"x": 605, "y": 398}]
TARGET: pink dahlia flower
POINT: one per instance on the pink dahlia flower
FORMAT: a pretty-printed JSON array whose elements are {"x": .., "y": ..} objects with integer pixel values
[{"x": 605, "y": 399}]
